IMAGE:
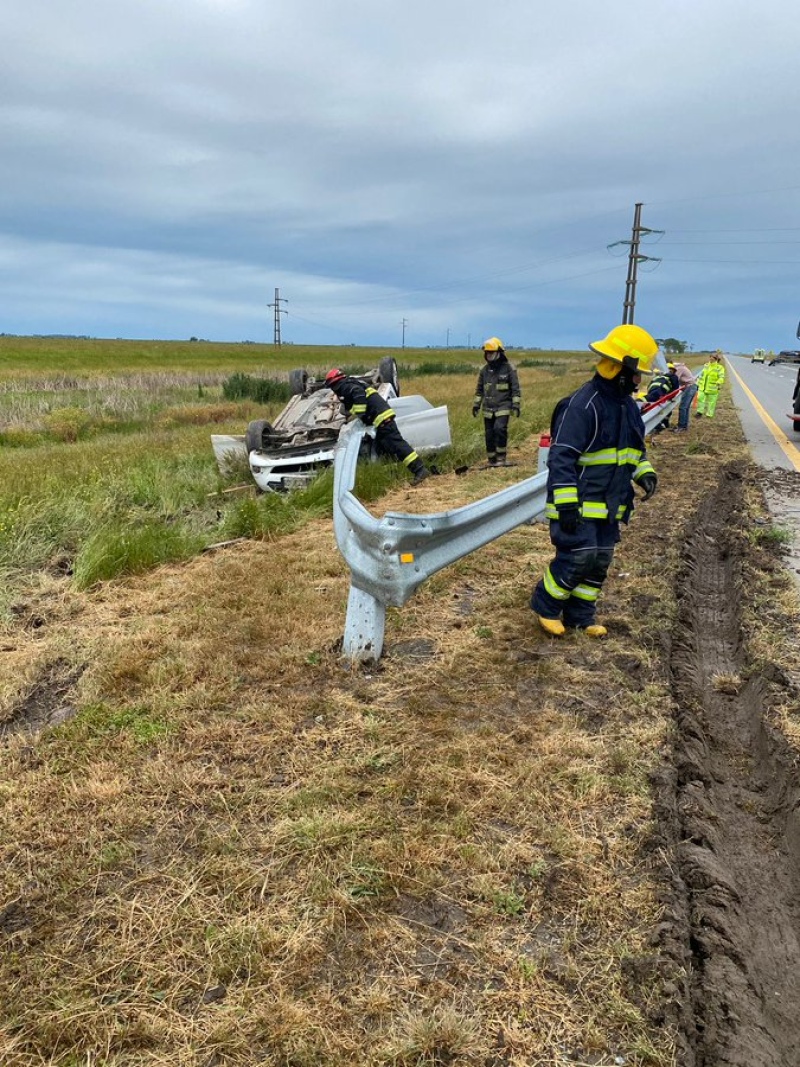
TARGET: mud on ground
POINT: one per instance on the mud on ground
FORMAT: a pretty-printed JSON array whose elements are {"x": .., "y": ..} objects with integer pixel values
[{"x": 728, "y": 812}]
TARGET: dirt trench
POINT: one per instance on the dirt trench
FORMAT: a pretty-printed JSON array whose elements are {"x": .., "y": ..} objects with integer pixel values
[{"x": 729, "y": 813}]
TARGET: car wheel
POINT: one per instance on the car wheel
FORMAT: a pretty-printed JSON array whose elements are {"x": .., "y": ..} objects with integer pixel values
[
  {"x": 298, "y": 380},
  {"x": 387, "y": 370},
  {"x": 254, "y": 437}
]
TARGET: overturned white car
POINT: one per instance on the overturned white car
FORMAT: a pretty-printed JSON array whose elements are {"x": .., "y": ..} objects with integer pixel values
[{"x": 289, "y": 452}]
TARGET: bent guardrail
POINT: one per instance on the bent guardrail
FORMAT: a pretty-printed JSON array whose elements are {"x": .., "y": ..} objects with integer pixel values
[{"x": 390, "y": 558}]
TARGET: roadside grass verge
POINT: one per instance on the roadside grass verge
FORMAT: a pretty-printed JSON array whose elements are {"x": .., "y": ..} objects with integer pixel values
[{"x": 236, "y": 848}]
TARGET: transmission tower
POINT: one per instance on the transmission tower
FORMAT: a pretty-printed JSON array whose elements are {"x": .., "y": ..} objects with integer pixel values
[
  {"x": 276, "y": 340},
  {"x": 634, "y": 259}
]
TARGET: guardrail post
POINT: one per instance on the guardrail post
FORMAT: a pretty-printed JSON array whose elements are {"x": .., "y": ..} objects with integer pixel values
[{"x": 364, "y": 626}]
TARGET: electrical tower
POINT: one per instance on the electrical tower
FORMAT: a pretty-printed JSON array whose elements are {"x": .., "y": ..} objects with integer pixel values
[
  {"x": 634, "y": 259},
  {"x": 276, "y": 339}
]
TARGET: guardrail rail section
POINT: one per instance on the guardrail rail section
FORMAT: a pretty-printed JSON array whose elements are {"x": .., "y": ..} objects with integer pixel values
[{"x": 390, "y": 558}]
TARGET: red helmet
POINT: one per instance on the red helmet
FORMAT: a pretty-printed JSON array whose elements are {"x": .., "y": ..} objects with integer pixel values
[{"x": 333, "y": 376}]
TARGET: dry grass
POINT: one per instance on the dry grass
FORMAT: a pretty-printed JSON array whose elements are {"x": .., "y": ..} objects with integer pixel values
[{"x": 235, "y": 850}]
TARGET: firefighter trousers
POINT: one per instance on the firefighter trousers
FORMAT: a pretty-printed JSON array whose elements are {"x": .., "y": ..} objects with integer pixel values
[
  {"x": 390, "y": 442},
  {"x": 571, "y": 584},
  {"x": 495, "y": 430}
]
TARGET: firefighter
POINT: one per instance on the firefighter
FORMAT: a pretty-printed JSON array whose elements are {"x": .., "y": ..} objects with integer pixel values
[
  {"x": 597, "y": 454},
  {"x": 368, "y": 404},
  {"x": 662, "y": 385},
  {"x": 712, "y": 378},
  {"x": 498, "y": 393}
]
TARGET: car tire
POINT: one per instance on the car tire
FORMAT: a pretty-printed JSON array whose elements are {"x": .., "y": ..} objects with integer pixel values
[
  {"x": 298, "y": 380},
  {"x": 254, "y": 436},
  {"x": 387, "y": 371}
]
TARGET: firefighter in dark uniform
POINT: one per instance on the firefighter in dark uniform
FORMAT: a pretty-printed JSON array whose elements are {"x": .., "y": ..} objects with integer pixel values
[
  {"x": 662, "y": 385},
  {"x": 597, "y": 454},
  {"x": 498, "y": 393},
  {"x": 367, "y": 403}
]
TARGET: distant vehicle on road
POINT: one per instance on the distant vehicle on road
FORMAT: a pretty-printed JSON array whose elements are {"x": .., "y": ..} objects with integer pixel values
[
  {"x": 759, "y": 355},
  {"x": 789, "y": 355}
]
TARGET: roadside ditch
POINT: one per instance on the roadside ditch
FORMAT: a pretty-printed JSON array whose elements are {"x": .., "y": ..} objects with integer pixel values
[{"x": 728, "y": 812}]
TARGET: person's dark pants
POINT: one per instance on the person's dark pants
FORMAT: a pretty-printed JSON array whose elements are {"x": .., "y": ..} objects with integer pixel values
[
  {"x": 390, "y": 442},
  {"x": 685, "y": 406},
  {"x": 571, "y": 584},
  {"x": 495, "y": 428}
]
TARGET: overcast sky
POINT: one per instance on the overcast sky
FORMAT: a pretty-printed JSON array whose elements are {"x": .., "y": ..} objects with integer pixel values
[{"x": 444, "y": 170}]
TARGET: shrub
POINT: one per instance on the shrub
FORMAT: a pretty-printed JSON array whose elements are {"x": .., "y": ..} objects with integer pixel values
[
  {"x": 263, "y": 390},
  {"x": 123, "y": 547},
  {"x": 68, "y": 424}
]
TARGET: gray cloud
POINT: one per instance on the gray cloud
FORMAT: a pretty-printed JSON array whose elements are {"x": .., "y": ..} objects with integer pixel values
[{"x": 462, "y": 166}]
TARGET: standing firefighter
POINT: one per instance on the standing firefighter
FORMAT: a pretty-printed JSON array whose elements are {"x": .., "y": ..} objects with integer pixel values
[
  {"x": 368, "y": 404},
  {"x": 498, "y": 393},
  {"x": 712, "y": 378},
  {"x": 597, "y": 453}
]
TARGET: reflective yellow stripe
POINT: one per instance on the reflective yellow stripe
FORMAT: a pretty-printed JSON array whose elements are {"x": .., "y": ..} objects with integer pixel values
[
  {"x": 556, "y": 591},
  {"x": 586, "y": 592},
  {"x": 550, "y": 511},
  {"x": 358, "y": 409},
  {"x": 594, "y": 509},
  {"x": 410, "y": 459},
  {"x": 610, "y": 457},
  {"x": 606, "y": 456},
  {"x": 384, "y": 415},
  {"x": 621, "y": 511},
  {"x": 567, "y": 494},
  {"x": 629, "y": 455},
  {"x": 644, "y": 468}
]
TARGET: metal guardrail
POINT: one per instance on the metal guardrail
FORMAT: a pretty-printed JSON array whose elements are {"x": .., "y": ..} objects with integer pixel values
[{"x": 390, "y": 558}]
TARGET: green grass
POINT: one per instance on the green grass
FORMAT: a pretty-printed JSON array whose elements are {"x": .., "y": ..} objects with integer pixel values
[{"x": 106, "y": 467}]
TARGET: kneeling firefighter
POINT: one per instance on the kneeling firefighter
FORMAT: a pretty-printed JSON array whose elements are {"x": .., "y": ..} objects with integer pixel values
[
  {"x": 367, "y": 403},
  {"x": 597, "y": 454}
]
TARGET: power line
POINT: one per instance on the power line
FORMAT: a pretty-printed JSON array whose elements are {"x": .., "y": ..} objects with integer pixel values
[
  {"x": 634, "y": 259},
  {"x": 278, "y": 312}
]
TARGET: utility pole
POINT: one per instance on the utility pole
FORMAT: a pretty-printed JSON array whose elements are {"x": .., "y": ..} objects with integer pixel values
[
  {"x": 278, "y": 312},
  {"x": 634, "y": 259},
  {"x": 448, "y": 338},
  {"x": 404, "y": 323}
]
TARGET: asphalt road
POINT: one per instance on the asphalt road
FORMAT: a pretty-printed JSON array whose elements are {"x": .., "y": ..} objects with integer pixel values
[{"x": 763, "y": 398}]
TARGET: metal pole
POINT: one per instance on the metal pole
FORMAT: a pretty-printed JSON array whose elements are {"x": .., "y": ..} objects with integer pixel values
[{"x": 633, "y": 260}]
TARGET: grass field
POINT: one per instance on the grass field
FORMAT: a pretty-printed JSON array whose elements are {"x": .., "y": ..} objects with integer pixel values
[
  {"x": 105, "y": 459},
  {"x": 228, "y": 848}
]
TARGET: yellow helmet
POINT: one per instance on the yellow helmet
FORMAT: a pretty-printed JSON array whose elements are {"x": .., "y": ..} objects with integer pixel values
[
  {"x": 493, "y": 349},
  {"x": 627, "y": 342}
]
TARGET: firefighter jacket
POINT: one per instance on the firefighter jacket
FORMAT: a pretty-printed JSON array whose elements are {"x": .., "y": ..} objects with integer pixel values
[
  {"x": 498, "y": 388},
  {"x": 363, "y": 401},
  {"x": 596, "y": 453},
  {"x": 661, "y": 385}
]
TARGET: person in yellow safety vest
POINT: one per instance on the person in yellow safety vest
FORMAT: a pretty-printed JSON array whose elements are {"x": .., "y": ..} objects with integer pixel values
[{"x": 712, "y": 379}]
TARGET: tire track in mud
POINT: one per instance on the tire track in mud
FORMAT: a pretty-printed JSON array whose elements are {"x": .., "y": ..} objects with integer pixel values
[{"x": 733, "y": 821}]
